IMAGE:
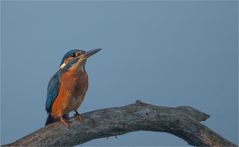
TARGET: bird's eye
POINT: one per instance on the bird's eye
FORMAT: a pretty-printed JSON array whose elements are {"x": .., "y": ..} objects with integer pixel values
[{"x": 74, "y": 55}]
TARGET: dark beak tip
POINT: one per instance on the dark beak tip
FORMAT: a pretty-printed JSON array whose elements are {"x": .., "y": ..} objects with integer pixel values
[
  {"x": 99, "y": 49},
  {"x": 96, "y": 50},
  {"x": 92, "y": 52}
]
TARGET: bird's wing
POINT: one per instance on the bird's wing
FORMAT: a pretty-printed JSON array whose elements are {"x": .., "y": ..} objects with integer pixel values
[{"x": 52, "y": 90}]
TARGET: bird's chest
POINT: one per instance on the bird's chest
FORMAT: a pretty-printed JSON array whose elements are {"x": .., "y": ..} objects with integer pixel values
[{"x": 74, "y": 85}]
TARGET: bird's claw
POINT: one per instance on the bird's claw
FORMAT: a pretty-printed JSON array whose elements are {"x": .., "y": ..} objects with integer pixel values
[
  {"x": 65, "y": 122},
  {"x": 79, "y": 118}
]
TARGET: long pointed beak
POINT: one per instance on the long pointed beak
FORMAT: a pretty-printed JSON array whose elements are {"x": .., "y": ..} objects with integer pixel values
[{"x": 89, "y": 53}]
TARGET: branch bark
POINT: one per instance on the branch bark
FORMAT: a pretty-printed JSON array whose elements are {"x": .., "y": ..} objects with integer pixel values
[{"x": 183, "y": 122}]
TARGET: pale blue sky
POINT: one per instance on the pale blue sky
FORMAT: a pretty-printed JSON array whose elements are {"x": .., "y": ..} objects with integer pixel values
[{"x": 165, "y": 53}]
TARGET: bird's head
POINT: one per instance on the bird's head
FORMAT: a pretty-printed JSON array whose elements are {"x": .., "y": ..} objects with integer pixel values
[{"x": 76, "y": 58}]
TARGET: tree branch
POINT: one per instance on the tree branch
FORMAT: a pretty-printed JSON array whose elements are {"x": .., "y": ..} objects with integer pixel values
[{"x": 183, "y": 122}]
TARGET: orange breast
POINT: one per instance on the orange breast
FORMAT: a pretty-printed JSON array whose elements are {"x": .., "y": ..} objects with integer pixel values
[{"x": 72, "y": 90}]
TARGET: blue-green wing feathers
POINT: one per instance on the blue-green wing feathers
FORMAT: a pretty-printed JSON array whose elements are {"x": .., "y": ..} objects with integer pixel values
[{"x": 52, "y": 90}]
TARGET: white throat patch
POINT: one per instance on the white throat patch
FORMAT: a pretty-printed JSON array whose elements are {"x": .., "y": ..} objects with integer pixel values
[{"x": 63, "y": 65}]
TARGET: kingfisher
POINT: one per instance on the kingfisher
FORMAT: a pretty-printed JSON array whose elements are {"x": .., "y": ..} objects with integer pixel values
[{"x": 67, "y": 87}]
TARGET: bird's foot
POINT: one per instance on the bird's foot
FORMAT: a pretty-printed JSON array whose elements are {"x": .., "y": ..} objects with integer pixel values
[
  {"x": 65, "y": 122},
  {"x": 78, "y": 117}
]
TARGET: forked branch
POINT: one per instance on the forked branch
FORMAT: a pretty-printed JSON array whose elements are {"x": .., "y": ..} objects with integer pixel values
[{"x": 183, "y": 122}]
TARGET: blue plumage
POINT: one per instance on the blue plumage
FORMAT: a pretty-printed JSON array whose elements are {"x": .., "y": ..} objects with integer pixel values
[
  {"x": 68, "y": 54},
  {"x": 52, "y": 90}
]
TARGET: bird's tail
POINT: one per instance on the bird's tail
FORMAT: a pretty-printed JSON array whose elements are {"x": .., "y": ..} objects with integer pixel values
[{"x": 50, "y": 119}]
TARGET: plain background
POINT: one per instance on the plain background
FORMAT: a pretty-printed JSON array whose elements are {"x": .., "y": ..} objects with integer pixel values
[{"x": 172, "y": 53}]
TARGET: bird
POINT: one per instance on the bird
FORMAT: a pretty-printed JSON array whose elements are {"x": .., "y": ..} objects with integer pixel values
[{"x": 67, "y": 87}]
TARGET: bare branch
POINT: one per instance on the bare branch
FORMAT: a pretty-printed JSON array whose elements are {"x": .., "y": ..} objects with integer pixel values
[{"x": 181, "y": 121}]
